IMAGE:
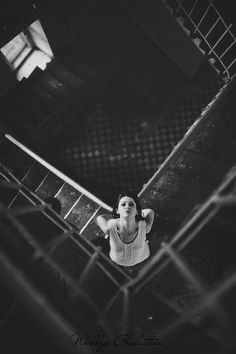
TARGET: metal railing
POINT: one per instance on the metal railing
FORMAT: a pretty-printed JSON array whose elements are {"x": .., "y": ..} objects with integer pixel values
[
  {"x": 67, "y": 229},
  {"x": 208, "y": 297},
  {"x": 208, "y": 9},
  {"x": 193, "y": 129}
]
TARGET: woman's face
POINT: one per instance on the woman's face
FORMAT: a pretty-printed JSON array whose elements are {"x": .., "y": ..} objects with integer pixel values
[{"x": 127, "y": 207}]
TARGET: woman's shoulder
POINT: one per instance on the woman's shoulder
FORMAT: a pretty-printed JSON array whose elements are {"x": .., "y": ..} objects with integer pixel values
[{"x": 112, "y": 222}]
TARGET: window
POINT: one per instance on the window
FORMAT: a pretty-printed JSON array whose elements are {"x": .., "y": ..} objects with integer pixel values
[{"x": 28, "y": 50}]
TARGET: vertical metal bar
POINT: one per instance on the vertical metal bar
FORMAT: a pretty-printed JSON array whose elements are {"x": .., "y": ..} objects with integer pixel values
[
  {"x": 54, "y": 320},
  {"x": 179, "y": 4},
  {"x": 126, "y": 312},
  {"x": 217, "y": 42},
  {"x": 90, "y": 265},
  {"x": 53, "y": 244},
  {"x": 189, "y": 276},
  {"x": 89, "y": 220},
  {"x": 205, "y": 37},
  {"x": 204, "y": 15},
  {"x": 223, "y": 21},
  {"x": 183, "y": 268},
  {"x": 228, "y": 67},
  {"x": 148, "y": 271},
  {"x": 197, "y": 228},
  {"x": 193, "y": 7},
  {"x": 59, "y": 190},
  {"x": 57, "y": 172},
  {"x": 40, "y": 184},
  {"x": 69, "y": 211},
  {"x": 212, "y": 27},
  {"x": 104, "y": 315}
]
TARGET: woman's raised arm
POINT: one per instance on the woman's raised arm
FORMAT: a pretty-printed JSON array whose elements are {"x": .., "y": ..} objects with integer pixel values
[
  {"x": 102, "y": 221},
  {"x": 149, "y": 217}
]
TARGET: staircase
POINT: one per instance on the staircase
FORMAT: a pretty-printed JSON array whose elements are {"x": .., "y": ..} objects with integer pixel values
[
  {"x": 188, "y": 288},
  {"x": 185, "y": 295},
  {"x": 78, "y": 206},
  {"x": 54, "y": 253},
  {"x": 195, "y": 275},
  {"x": 197, "y": 28},
  {"x": 214, "y": 36},
  {"x": 37, "y": 108}
]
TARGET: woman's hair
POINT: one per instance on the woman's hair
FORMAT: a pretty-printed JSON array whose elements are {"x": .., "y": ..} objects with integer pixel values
[{"x": 132, "y": 195}]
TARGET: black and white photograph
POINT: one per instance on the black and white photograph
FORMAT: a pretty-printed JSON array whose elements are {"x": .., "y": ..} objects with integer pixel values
[{"x": 117, "y": 176}]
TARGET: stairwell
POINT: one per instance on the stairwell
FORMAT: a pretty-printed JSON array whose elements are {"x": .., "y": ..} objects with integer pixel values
[
  {"x": 195, "y": 167},
  {"x": 185, "y": 295},
  {"x": 37, "y": 108},
  {"x": 54, "y": 252},
  {"x": 210, "y": 30},
  {"x": 184, "y": 270}
]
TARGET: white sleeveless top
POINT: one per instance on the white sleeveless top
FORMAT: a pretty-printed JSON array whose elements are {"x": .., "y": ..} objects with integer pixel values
[{"x": 128, "y": 254}]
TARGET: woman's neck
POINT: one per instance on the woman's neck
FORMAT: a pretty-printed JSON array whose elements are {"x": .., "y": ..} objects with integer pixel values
[{"x": 127, "y": 224}]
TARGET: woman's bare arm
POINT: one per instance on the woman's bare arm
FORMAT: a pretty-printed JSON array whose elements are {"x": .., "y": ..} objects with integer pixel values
[
  {"x": 149, "y": 218},
  {"x": 102, "y": 221}
]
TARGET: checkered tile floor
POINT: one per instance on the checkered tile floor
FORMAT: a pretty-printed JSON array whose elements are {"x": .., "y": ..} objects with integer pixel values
[{"x": 119, "y": 146}]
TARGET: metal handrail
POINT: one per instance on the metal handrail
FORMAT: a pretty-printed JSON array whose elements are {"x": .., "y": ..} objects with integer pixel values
[
  {"x": 210, "y": 5},
  {"x": 179, "y": 241},
  {"x": 55, "y": 171},
  {"x": 67, "y": 228},
  {"x": 188, "y": 136},
  {"x": 204, "y": 38}
]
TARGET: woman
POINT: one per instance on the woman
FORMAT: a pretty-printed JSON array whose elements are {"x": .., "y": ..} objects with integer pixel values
[{"x": 127, "y": 228}]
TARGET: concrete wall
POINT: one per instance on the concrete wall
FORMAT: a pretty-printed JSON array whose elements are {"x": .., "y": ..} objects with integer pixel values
[
  {"x": 159, "y": 24},
  {"x": 7, "y": 78}
]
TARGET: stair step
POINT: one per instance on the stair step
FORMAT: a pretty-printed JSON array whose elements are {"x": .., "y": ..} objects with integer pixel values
[
  {"x": 56, "y": 88},
  {"x": 198, "y": 42},
  {"x": 82, "y": 212},
  {"x": 92, "y": 231},
  {"x": 68, "y": 196},
  {"x": 38, "y": 93},
  {"x": 83, "y": 70},
  {"x": 181, "y": 20},
  {"x": 34, "y": 176},
  {"x": 67, "y": 77},
  {"x": 49, "y": 186},
  {"x": 42, "y": 98}
]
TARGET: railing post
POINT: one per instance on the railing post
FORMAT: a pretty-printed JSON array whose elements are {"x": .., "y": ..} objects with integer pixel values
[
  {"x": 126, "y": 310},
  {"x": 90, "y": 266}
]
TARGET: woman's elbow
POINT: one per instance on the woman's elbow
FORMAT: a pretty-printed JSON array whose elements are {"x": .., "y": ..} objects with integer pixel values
[{"x": 100, "y": 221}]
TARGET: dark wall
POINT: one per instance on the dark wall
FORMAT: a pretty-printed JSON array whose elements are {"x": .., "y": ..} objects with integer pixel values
[
  {"x": 61, "y": 21},
  {"x": 7, "y": 78}
]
